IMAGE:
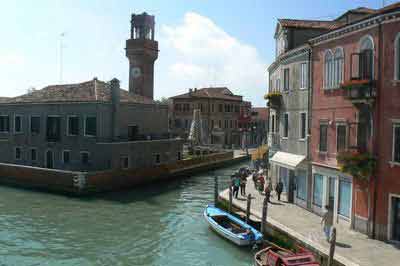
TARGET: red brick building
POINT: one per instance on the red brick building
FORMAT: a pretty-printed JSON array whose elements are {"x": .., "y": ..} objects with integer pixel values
[{"x": 356, "y": 111}]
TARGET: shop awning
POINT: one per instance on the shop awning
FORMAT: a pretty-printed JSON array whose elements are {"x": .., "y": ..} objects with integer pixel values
[{"x": 287, "y": 160}]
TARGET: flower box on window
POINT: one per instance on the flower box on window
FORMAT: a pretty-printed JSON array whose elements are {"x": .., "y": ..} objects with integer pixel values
[
  {"x": 359, "y": 165},
  {"x": 274, "y": 98},
  {"x": 359, "y": 89}
]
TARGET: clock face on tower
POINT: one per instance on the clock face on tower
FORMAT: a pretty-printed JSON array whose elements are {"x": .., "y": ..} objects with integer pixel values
[{"x": 136, "y": 72}]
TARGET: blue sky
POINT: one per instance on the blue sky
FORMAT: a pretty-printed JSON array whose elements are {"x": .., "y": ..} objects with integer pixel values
[{"x": 202, "y": 42}]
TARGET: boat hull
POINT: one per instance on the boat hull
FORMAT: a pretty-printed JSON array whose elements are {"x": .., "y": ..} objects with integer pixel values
[{"x": 238, "y": 239}]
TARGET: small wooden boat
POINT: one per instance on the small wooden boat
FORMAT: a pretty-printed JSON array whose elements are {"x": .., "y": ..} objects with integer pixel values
[
  {"x": 231, "y": 228},
  {"x": 277, "y": 256}
]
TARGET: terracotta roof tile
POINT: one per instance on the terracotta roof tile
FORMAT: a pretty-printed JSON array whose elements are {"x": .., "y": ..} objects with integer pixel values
[
  {"x": 212, "y": 92},
  {"x": 89, "y": 91}
]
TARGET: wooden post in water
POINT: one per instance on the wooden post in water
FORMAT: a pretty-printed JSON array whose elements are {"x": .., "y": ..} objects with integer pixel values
[
  {"x": 230, "y": 199},
  {"x": 264, "y": 215},
  {"x": 215, "y": 190},
  {"x": 248, "y": 208},
  {"x": 332, "y": 247}
]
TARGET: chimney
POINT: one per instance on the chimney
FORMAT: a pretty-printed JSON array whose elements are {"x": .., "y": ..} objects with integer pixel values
[
  {"x": 190, "y": 91},
  {"x": 115, "y": 100},
  {"x": 115, "y": 91}
]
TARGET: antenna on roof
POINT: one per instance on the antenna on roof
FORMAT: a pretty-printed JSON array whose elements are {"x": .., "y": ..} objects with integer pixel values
[{"x": 61, "y": 57}]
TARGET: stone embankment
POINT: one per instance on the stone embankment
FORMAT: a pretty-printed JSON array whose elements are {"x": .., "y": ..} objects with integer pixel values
[{"x": 84, "y": 183}]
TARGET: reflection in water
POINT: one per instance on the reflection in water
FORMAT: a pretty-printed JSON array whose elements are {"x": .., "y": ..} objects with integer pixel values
[{"x": 161, "y": 224}]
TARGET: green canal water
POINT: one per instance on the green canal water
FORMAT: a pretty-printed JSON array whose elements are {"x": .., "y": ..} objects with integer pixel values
[{"x": 160, "y": 224}]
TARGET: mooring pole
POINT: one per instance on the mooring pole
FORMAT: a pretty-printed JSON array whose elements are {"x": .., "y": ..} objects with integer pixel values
[
  {"x": 215, "y": 190},
  {"x": 332, "y": 247},
  {"x": 230, "y": 199},
  {"x": 264, "y": 215},
  {"x": 248, "y": 208}
]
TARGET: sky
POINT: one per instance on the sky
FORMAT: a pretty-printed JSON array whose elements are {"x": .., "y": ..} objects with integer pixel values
[{"x": 202, "y": 42}]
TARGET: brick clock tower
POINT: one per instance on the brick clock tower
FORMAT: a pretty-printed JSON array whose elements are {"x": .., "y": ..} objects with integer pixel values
[{"x": 142, "y": 52}]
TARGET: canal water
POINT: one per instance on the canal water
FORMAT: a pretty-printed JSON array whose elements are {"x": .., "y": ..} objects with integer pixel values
[{"x": 160, "y": 224}]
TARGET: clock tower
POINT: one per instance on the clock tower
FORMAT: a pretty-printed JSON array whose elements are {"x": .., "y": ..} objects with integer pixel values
[{"x": 142, "y": 52}]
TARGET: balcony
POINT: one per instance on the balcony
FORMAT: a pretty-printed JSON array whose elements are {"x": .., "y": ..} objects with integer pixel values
[
  {"x": 274, "y": 99},
  {"x": 274, "y": 141},
  {"x": 361, "y": 88}
]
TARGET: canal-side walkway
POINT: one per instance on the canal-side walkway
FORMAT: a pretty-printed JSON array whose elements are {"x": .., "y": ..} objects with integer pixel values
[{"x": 352, "y": 248}]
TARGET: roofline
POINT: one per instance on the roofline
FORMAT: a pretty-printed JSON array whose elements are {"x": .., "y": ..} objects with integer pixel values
[
  {"x": 202, "y": 97},
  {"x": 77, "y": 102},
  {"x": 356, "y": 25},
  {"x": 293, "y": 52}
]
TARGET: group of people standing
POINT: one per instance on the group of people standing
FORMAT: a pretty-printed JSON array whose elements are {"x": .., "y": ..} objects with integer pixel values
[{"x": 239, "y": 181}]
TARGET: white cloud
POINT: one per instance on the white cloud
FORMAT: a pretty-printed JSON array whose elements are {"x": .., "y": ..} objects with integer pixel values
[{"x": 204, "y": 54}]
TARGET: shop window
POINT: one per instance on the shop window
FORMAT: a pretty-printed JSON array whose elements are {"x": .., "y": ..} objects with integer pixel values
[
  {"x": 301, "y": 182},
  {"x": 318, "y": 190},
  {"x": 344, "y": 198}
]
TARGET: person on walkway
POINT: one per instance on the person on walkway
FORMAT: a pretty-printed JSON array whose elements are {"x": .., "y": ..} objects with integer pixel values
[
  {"x": 268, "y": 191},
  {"x": 243, "y": 182},
  {"x": 279, "y": 189},
  {"x": 236, "y": 185},
  {"x": 327, "y": 222},
  {"x": 261, "y": 183}
]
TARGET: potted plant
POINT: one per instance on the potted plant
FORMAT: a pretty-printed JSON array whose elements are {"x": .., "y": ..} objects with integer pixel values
[{"x": 274, "y": 98}]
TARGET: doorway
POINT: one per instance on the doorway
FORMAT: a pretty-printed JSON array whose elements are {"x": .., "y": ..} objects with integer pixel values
[
  {"x": 395, "y": 218},
  {"x": 49, "y": 159}
]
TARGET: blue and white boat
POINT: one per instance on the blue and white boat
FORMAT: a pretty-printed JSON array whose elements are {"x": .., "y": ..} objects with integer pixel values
[{"x": 231, "y": 228}]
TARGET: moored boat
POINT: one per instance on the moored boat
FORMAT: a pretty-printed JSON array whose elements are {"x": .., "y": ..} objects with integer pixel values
[
  {"x": 231, "y": 228},
  {"x": 277, "y": 256}
]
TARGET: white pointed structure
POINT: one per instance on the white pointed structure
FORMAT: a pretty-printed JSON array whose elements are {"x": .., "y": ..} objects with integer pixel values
[{"x": 196, "y": 129}]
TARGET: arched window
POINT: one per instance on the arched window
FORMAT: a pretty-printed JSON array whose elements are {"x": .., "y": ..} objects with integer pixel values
[
  {"x": 397, "y": 57},
  {"x": 366, "y": 59},
  {"x": 339, "y": 67},
  {"x": 328, "y": 69}
]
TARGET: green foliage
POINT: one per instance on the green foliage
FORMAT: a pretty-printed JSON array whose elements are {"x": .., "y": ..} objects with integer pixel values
[
  {"x": 272, "y": 95},
  {"x": 359, "y": 165}
]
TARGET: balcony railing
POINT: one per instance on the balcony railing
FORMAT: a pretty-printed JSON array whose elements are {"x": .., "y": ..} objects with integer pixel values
[{"x": 361, "y": 86}]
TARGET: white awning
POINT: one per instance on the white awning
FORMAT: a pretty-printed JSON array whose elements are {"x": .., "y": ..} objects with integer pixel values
[{"x": 287, "y": 160}]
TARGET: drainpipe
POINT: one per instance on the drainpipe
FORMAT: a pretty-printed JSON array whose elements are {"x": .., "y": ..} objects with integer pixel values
[
  {"x": 115, "y": 100},
  {"x": 377, "y": 138},
  {"x": 310, "y": 98}
]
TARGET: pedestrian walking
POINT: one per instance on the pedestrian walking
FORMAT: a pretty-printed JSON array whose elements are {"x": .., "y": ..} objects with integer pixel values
[
  {"x": 327, "y": 222},
  {"x": 236, "y": 185},
  {"x": 261, "y": 183},
  {"x": 268, "y": 192},
  {"x": 243, "y": 182},
  {"x": 279, "y": 189}
]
